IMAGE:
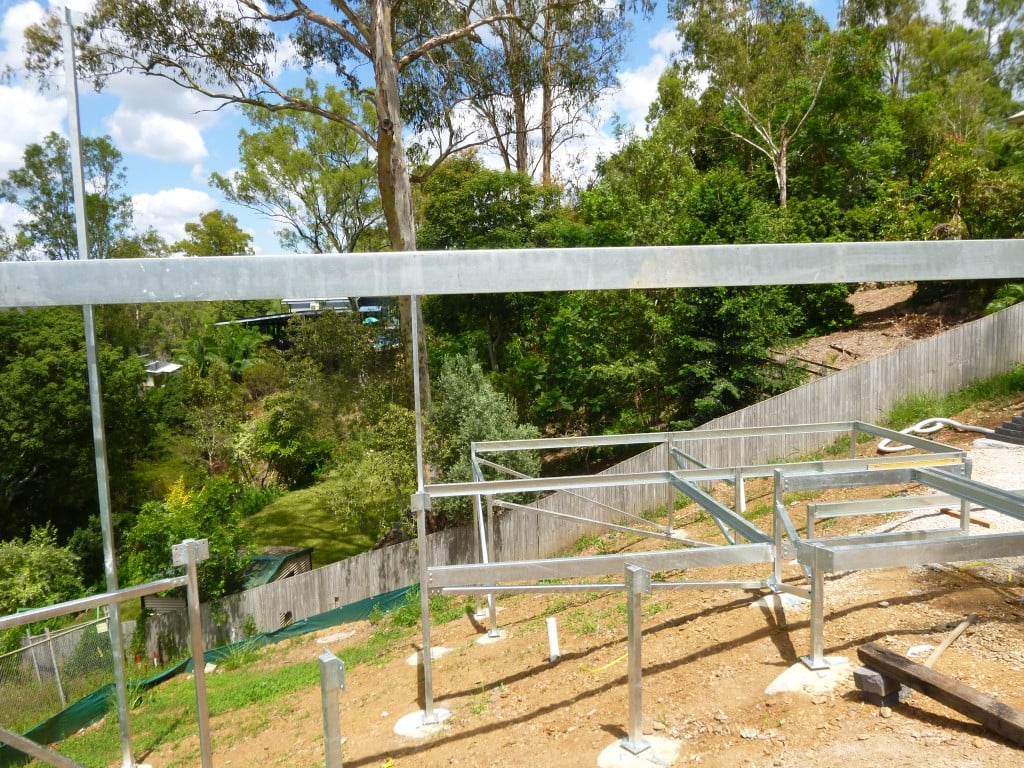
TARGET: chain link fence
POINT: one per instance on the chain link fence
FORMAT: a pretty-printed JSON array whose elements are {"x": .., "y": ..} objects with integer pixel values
[{"x": 52, "y": 670}]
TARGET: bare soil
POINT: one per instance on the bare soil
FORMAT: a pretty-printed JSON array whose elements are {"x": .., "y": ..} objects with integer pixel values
[
  {"x": 707, "y": 658},
  {"x": 887, "y": 321}
]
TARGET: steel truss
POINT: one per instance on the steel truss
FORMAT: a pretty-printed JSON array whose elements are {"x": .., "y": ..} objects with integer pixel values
[{"x": 937, "y": 466}]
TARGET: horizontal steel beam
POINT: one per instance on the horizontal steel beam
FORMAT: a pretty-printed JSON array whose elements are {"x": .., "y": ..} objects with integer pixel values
[
  {"x": 38, "y": 751},
  {"x": 596, "y": 565},
  {"x": 657, "y": 586},
  {"x": 533, "y": 485},
  {"x": 140, "y": 281},
  {"x": 93, "y": 601},
  {"x": 1007, "y": 502},
  {"x": 655, "y": 438},
  {"x": 913, "y": 548},
  {"x": 827, "y": 509},
  {"x": 806, "y": 475}
]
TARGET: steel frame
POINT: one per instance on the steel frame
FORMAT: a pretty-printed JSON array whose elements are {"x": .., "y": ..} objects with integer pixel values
[
  {"x": 188, "y": 554},
  {"x": 938, "y": 466}
]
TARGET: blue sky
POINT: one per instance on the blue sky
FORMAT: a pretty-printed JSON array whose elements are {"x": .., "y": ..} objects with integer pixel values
[{"x": 172, "y": 142}]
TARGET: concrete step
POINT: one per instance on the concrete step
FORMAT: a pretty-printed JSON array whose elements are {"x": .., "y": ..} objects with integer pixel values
[
  {"x": 1018, "y": 420},
  {"x": 1006, "y": 436},
  {"x": 1011, "y": 428}
]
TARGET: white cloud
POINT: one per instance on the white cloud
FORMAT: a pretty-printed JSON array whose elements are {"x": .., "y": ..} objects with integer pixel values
[
  {"x": 155, "y": 135},
  {"x": 12, "y": 31},
  {"x": 28, "y": 117},
  {"x": 10, "y": 215},
  {"x": 170, "y": 210}
]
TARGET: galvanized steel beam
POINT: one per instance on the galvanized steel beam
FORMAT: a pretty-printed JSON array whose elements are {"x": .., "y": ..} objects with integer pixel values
[
  {"x": 595, "y": 565},
  {"x": 140, "y": 281}
]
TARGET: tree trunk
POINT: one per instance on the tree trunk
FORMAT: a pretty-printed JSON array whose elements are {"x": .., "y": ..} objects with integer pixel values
[
  {"x": 393, "y": 173},
  {"x": 547, "y": 97}
]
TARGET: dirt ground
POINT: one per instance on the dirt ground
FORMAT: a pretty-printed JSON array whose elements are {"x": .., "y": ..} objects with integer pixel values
[{"x": 707, "y": 658}]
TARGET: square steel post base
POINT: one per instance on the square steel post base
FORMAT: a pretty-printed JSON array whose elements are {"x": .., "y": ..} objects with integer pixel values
[{"x": 635, "y": 746}]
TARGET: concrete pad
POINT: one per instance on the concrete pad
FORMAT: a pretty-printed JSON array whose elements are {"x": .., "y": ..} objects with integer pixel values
[
  {"x": 990, "y": 442},
  {"x": 435, "y": 653},
  {"x": 782, "y": 600},
  {"x": 487, "y": 639},
  {"x": 336, "y": 637},
  {"x": 662, "y": 752},
  {"x": 800, "y": 679},
  {"x": 411, "y": 726}
]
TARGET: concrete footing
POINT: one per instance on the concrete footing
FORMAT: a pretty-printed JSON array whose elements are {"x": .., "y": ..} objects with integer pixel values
[{"x": 661, "y": 752}]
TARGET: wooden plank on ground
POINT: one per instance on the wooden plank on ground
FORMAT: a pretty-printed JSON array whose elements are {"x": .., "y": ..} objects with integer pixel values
[{"x": 992, "y": 714}]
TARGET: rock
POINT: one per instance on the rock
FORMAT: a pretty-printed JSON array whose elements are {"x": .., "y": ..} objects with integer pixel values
[{"x": 885, "y": 712}]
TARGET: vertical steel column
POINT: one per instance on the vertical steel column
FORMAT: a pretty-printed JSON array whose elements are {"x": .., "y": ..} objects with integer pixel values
[
  {"x": 853, "y": 442},
  {"x": 420, "y": 505},
  {"x": 778, "y": 510},
  {"x": 817, "y": 658},
  {"x": 190, "y": 553},
  {"x": 478, "y": 513},
  {"x": 965, "y": 505},
  {"x": 332, "y": 679},
  {"x": 95, "y": 398},
  {"x": 638, "y": 581},
  {"x": 740, "y": 489},
  {"x": 670, "y": 491}
]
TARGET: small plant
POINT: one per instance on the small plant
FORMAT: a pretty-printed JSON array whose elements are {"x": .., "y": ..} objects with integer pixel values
[
  {"x": 240, "y": 654},
  {"x": 249, "y": 628}
]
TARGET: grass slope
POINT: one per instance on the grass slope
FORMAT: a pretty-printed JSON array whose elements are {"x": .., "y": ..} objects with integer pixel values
[{"x": 301, "y": 519}]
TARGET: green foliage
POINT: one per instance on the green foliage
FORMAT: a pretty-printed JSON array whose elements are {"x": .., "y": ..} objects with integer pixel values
[
  {"x": 310, "y": 171},
  {"x": 216, "y": 234},
  {"x": 1006, "y": 296},
  {"x": 999, "y": 390},
  {"x": 37, "y": 571},
  {"x": 467, "y": 408},
  {"x": 469, "y": 206},
  {"x": 376, "y": 475},
  {"x": 286, "y": 436},
  {"x": 212, "y": 513},
  {"x": 304, "y": 518},
  {"x": 47, "y": 467}
]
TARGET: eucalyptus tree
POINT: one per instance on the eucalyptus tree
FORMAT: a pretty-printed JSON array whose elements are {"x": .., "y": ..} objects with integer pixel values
[
  {"x": 41, "y": 187},
  {"x": 232, "y": 52},
  {"x": 894, "y": 22},
  {"x": 538, "y": 76},
  {"x": 764, "y": 62},
  {"x": 310, "y": 174}
]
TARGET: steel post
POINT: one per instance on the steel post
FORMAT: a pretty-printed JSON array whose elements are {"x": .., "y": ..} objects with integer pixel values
[
  {"x": 95, "y": 398},
  {"x": 189, "y": 553},
  {"x": 420, "y": 505},
  {"x": 817, "y": 658},
  {"x": 332, "y": 679},
  {"x": 638, "y": 581}
]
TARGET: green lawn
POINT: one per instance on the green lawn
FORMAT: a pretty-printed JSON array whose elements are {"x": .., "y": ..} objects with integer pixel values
[{"x": 301, "y": 519}]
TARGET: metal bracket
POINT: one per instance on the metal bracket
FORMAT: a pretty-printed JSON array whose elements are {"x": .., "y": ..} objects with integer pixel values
[{"x": 179, "y": 552}]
